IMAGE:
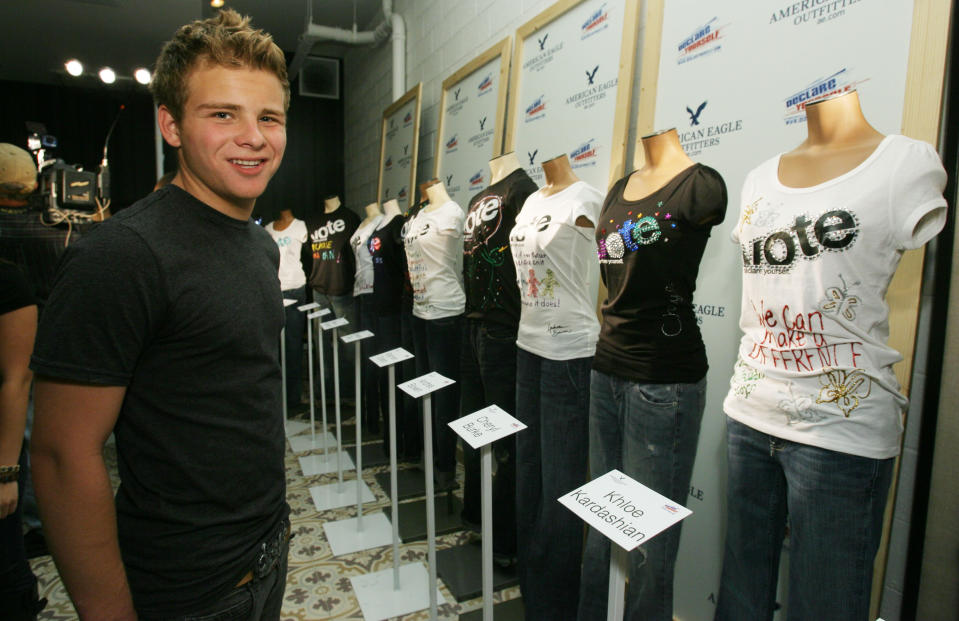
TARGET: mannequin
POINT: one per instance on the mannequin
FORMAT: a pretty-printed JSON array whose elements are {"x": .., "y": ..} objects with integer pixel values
[
  {"x": 650, "y": 238},
  {"x": 665, "y": 159},
  {"x": 437, "y": 195},
  {"x": 501, "y": 166},
  {"x": 879, "y": 196},
  {"x": 559, "y": 175},
  {"x": 423, "y": 186},
  {"x": 391, "y": 209},
  {"x": 839, "y": 139},
  {"x": 372, "y": 211},
  {"x": 331, "y": 204},
  {"x": 283, "y": 220}
]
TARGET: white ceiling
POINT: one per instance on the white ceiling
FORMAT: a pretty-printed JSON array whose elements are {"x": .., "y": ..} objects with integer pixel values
[{"x": 40, "y": 35}]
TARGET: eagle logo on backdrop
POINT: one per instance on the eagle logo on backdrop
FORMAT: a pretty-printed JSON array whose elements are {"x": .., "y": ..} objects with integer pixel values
[
  {"x": 542, "y": 42},
  {"x": 591, "y": 75},
  {"x": 482, "y": 123},
  {"x": 694, "y": 116},
  {"x": 532, "y": 156}
]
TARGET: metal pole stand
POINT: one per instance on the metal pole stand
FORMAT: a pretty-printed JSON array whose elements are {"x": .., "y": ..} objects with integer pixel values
[
  {"x": 359, "y": 533},
  {"x": 333, "y": 495},
  {"x": 480, "y": 429},
  {"x": 403, "y": 588},
  {"x": 290, "y": 427},
  {"x": 304, "y": 443}
]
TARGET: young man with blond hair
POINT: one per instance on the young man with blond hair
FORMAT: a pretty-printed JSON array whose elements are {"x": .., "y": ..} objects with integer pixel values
[{"x": 163, "y": 327}]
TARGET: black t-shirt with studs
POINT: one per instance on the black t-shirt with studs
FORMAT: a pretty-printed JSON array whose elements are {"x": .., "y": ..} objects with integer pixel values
[{"x": 649, "y": 253}]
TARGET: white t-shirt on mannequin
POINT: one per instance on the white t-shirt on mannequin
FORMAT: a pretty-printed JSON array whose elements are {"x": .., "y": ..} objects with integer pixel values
[
  {"x": 434, "y": 252},
  {"x": 290, "y": 241},
  {"x": 813, "y": 365},
  {"x": 363, "y": 284},
  {"x": 557, "y": 272}
]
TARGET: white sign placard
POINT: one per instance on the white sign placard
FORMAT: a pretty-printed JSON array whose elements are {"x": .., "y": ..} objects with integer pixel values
[
  {"x": 356, "y": 336},
  {"x": 399, "y": 143},
  {"x": 570, "y": 90},
  {"x": 425, "y": 384},
  {"x": 485, "y": 426},
  {"x": 288, "y": 302},
  {"x": 334, "y": 323},
  {"x": 319, "y": 313},
  {"x": 472, "y": 107},
  {"x": 624, "y": 510},
  {"x": 390, "y": 357},
  {"x": 307, "y": 307}
]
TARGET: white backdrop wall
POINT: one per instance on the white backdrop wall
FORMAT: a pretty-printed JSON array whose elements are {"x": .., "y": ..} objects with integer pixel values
[{"x": 441, "y": 37}]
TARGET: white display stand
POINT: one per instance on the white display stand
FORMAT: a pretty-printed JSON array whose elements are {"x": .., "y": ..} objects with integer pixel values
[
  {"x": 409, "y": 588},
  {"x": 423, "y": 387},
  {"x": 359, "y": 533},
  {"x": 627, "y": 513},
  {"x": 335, "y": 494},
  {"x": 286, "y": 424},
  {"x": 480, "y": 429},
  {"x": 302, "y": 444}
]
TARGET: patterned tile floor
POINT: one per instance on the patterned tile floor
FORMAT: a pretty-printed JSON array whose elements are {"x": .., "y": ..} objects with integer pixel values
[{"x": 317, "y": 584}]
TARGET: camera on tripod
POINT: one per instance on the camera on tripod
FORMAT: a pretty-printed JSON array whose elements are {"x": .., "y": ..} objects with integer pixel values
[{"x": 62, "y": 186}]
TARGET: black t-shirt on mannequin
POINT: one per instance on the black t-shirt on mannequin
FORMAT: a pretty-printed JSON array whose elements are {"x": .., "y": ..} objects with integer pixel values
[
  {"x": 389, "y": 265},
  {"x": 649, "y": 253},
  {"x": 334, "y": 266},
  {"x": 489, "y": 276}
]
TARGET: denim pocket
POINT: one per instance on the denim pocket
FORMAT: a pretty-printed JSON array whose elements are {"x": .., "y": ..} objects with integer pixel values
[
  {"x": 659, "y": 395},
  {"x": 497, "y": 332}
]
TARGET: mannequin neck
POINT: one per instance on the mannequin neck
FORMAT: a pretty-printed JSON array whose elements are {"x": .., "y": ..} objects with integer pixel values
[
  {"x": 437, "y": 195},
  {"x": 331, "y": 204},
  {"x": 391, "y": 209},
  {"x": 500, "y": 167},
  {"x": 665, "y": 159},
  {"x": 283, "y": 220},
  {"x": 559, "y": 175},
  {"x": 839, "y": 139},
  {"x": 372, "y": 210}
]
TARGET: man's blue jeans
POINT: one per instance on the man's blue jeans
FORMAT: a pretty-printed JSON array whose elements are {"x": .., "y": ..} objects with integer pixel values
[
  {"x": 649, "y": 432},
  {"x": 552, "y": 400},
  {"x": 835, "y": 504}
]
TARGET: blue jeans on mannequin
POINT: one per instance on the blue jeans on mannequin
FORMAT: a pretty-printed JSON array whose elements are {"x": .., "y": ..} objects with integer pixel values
[
  {"x": 552, "y": 399},
  {"x": 650, "y": 433},
  {"x": 437, "y": 348},
  {"x": 835, "y": 504},
  {"x": 488, "y": 377},
  {"x": 342, "y": 306}
]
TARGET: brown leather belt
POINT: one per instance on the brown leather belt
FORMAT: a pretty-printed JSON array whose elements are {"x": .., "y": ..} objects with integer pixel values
[{"x": 265, "y": 570}]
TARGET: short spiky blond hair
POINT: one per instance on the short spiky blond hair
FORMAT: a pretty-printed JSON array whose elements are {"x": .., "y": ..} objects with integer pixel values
[{"x": 227, "y": 40}]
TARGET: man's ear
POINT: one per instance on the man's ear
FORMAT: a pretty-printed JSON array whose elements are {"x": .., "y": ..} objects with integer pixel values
[{"x": 168, "y": 126}]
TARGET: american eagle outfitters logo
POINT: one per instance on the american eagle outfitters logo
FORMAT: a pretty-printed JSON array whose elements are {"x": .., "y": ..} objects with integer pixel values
[
  {"x": 594, "y": 92},
  {"x": 543, "y": 56},
  {"x": 811, "y": 11},
  {"x": 704, "y": 40},
  {"x": 819, "y": 89},
  {"x": 703, "y": 136},
  {"x": 597, "y": 21},
  {"x": 537, "y": 109}
]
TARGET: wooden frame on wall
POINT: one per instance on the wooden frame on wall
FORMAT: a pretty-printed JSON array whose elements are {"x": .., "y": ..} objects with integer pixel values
[
  {"x": 624, "y": 77},
  {"x": 502, "y": 50},
  {"x": 412, "y": 131}
]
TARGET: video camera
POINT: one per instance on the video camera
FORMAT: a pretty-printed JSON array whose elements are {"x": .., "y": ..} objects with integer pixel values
[{"x": 68, "y": 187}]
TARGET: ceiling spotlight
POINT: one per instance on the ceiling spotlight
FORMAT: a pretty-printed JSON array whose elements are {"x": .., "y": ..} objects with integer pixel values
[
  {"x": 216, "y": 3},
  {"x": 142, "y": 75},
  {"x": 107, "y": 75},
  {"x": 74, "y": 67}
]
